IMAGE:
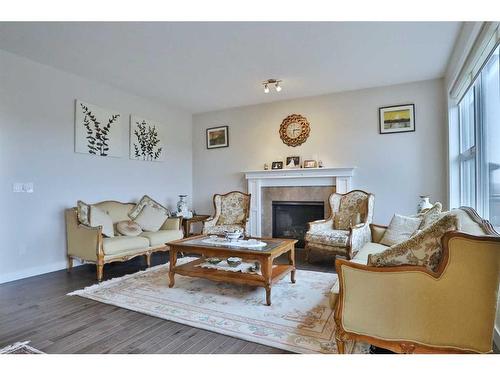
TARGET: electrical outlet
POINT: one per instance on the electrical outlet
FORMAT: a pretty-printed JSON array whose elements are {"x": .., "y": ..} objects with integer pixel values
[{"x": 23, "y": 187}]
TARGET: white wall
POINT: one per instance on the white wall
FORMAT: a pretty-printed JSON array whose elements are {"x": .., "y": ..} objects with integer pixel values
[
  {"x": 397, "y": 168},
  {"x": 37, "y": 145}
]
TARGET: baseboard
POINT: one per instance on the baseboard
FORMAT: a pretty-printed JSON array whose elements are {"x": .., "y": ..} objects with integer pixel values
[{"x": 34, "y": 271}]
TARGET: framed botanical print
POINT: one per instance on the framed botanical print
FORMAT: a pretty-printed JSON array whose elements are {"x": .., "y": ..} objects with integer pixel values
[
  {"x": 397, "y": 119},
  {"x": 218, "y": 137}
]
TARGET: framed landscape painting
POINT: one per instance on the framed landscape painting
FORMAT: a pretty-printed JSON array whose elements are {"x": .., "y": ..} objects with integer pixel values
[
  {"x": 218, "y": 137},
  {"x": 397, "y": 119}
]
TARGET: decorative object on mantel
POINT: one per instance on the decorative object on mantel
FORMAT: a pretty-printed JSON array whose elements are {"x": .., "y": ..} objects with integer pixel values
[
  {"x": 182, "y": 207},
  {"x": 320, "y": 164},
  {"x": 397, "y": 119},
  {"x": 97, "y": 130},
  {"x": 147, "y": 141},
  {"x": 310, "y": 164},
  {"x": 266, "y": 166},
  {"x": 292, "y": 162},
  {"x": 277, "y": 165},
  {"x": 424, "y": 203},
  {"x": 218, "y": 137},
  {"x": 294, "y": 130}
]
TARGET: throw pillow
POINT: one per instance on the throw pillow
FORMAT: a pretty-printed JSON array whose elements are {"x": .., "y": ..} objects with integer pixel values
[
  {"x": 146, "y": 201},
  {"x": 151, "y": 219},
  {"x": 430, "y": 216},
  {"x": 423, "y": 249},
  {"x": 82, "y": 212},
  {"x": 128, "y": 228},
  {"x": 400, "y": 229},
  {"x": 344, "y": 221},
  {"x": 99, "y": 217}
]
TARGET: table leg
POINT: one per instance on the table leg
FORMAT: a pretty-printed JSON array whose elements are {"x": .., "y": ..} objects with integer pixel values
[
  {"x": 291, "y": 261},
  {"x": 171, "y": 271},
  {"x": 267, "y": 269}
]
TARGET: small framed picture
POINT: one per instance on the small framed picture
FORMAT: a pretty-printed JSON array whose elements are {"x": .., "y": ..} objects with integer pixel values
[
  {"x": 397, "y": 119},
  {"x": 310, "y": 164},
  {"x": 277, "y": 165},
  {"x": 218, "y": 137},
  {"x": 293, "y": 162}
]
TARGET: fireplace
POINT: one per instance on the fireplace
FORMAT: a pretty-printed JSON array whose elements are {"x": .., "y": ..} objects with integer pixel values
[{"x": 290, "y": 218}]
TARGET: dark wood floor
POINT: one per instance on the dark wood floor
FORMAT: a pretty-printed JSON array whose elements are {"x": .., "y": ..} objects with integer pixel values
[{"x": 37, "y": 309}]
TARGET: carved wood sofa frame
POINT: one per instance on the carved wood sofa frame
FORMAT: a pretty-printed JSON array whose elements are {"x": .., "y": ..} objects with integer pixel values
[
  {"x": 97, "y": 245},
  {"x": 406, "y": 346}
]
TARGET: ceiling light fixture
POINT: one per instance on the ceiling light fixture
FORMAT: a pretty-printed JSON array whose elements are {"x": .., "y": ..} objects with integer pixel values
[{"x": 272, "y": 81}]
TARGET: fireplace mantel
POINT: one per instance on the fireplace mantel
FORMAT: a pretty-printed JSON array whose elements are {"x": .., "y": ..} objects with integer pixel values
[{"x": 338, "y": 177}]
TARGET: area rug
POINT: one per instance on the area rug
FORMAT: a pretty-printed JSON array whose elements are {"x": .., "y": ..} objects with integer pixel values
[
  {"x": 20, "y": 348},
  {"x": 299, "y": 320}
]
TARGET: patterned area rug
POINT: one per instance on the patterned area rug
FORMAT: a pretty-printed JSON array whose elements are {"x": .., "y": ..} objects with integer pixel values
[
  {"x": 299, "y": 320},
  {"x": 20, "y": 348}
]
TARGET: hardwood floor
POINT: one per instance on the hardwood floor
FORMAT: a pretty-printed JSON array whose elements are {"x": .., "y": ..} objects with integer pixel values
[{"x": 37, "y": 309}]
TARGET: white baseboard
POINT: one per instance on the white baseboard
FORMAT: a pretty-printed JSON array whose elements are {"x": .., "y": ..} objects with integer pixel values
[{"x": 34, "y": 271}]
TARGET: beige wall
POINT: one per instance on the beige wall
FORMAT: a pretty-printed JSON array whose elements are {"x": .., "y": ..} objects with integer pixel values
[{"x": 344, "y": 133}]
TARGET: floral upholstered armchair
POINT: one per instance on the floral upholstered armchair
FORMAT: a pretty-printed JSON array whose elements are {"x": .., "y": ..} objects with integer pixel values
[
  {"x": 348, "y": 227},
  {"x": 231, "y": 213}
]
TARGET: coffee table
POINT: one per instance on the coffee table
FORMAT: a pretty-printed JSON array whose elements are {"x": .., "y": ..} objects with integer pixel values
[{"x": 264, "y": 255}]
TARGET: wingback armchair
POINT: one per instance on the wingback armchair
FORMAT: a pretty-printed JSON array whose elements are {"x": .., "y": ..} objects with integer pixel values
[
  {"x": 410, "y": 309},
  {"x": 348, "y": 227},
  {"x": 231, "y": 213}
]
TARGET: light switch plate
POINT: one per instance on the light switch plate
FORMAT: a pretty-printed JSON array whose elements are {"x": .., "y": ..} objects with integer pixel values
[{"x": 17, "y": 187}]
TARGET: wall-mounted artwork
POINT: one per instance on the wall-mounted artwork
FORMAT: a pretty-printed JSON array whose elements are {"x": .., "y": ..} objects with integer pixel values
[
  {"x": 397, "y": 119},
  {"x": 218, "y": 137},
  {"x": 147, "y": 139},
  {"x": 97, "y": 130}
]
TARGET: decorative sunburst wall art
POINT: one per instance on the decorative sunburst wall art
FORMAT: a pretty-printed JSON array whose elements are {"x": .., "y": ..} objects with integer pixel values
[
  {"x": 97, "y": 130},
  {"x": 147, "y": 140}
]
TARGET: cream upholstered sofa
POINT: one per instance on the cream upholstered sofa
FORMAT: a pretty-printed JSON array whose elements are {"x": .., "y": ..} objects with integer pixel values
[
  {"x": 348, "y": 227},
  {"x": 90, "y": 245},
  {"x": 231, "y": 213},
  {"x": 410, "y": 309}
]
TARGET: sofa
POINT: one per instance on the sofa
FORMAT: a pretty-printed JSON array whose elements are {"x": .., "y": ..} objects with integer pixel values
[
  {"x": 411, "y": 309},
  {"x": 89, "y": 245}
]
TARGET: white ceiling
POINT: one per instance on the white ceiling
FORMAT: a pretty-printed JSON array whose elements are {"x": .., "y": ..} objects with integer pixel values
[{"x": 202, "y": 66}]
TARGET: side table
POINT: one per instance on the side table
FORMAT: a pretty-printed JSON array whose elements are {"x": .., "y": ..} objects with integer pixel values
[{"x": 186, "y": 223}]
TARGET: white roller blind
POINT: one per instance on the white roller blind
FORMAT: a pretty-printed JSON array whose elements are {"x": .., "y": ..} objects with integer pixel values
[{"x": 485, "y": 44}]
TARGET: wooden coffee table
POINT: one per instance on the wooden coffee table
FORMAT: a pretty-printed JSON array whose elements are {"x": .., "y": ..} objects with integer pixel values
[{"x": 264, "y": 255}]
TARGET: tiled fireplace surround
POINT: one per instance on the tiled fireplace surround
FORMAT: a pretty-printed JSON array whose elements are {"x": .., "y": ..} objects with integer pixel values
[{"x": 315, "y": 184}]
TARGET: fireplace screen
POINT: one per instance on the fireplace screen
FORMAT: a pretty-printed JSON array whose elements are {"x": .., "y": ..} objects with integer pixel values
[{"x": 290, "y": 218}]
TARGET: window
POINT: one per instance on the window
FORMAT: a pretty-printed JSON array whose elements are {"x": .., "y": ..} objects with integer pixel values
[{"x": 479, "y": 146}]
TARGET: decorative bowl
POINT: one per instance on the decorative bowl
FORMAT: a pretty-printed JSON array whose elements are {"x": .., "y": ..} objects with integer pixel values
[
  {"x": 232, "y": 235},
  {"x": 214, "y": 260},
  {"x": 233, "y": 261}
]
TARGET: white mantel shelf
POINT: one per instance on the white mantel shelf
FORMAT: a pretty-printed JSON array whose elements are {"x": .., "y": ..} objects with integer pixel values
[{"x": 341, "y": 178}]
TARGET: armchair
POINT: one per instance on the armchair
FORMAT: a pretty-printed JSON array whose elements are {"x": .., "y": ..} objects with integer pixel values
[
  {"x": 348, "y": 227},
  {"x": 410, "y": 309},
  {"x": 231, "y": 212}
]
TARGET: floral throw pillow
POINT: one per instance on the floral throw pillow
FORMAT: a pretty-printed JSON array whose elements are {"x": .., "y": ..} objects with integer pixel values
[
  {"x": 83, "y": 213},
  {"x": 430, "y": 216},
  {"x": 423, "y": 249},
  {"x": 146, "y": 201},
  {"x": 128, "y": 228},
  {"x": 345, "y": 220},
  {"x": 400, "y": 229},
  {"x": 233, "y": 209}
]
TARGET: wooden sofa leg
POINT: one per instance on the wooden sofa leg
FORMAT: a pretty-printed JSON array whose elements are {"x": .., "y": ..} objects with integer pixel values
[
  {"x": 307, "y": 251},
  {"x": 340, "y": 346},
  {"x": 100, "y": 271},
  {"x": 148, "y": 260},
  {"x": 70, "y": 264}
]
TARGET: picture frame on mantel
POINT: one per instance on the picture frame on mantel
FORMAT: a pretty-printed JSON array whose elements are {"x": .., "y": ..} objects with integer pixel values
[
  {"x": 397, "y": 119},
  {"x": 218, "y": 137}
]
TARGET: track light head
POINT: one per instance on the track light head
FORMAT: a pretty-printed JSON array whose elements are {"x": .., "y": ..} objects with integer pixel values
[{"x": 274, "y": 82}]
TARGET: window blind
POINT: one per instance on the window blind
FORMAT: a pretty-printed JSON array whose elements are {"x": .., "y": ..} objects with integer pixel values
[{"x": 485, "y": 44}]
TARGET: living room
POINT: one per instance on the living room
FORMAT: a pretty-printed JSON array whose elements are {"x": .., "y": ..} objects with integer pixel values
[{"x": 249, "y": 187}]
